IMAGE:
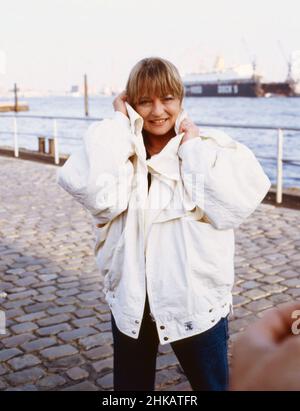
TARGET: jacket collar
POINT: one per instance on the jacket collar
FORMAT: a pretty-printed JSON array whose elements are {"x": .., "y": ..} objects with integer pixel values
[
  {"x": 136, "y": 121},
  {"x": 166, "y": 162}
]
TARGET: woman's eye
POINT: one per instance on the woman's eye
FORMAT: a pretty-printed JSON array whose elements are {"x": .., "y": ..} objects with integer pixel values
[{"x": 169, "y": 98}]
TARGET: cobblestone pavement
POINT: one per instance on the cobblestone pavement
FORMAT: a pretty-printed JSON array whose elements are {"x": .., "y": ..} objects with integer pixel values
[{"x": 58, "y": 334}]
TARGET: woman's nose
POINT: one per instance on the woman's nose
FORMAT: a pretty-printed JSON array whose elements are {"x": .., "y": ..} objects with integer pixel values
[{"x": 157, "y": 108}]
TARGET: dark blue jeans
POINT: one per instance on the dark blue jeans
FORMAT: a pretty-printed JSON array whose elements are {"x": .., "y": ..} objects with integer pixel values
[{"x": 203, "y": 357}]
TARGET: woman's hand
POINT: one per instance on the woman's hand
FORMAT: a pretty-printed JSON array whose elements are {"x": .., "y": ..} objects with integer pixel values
[
  {"x": 119, "y": 103},
  {"x": 189, "y": 129}
]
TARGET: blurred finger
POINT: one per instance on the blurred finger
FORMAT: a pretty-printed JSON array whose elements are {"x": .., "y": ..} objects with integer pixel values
[
  {"x": 278, "y": 321},
  {"x": 274, "y": 326}
]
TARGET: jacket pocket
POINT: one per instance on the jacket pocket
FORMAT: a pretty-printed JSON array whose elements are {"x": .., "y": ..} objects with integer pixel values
[
  {"x": 112, "y": 262},
  {"x": 210, "y": 254},
  {"x": 110, "y": 251}
]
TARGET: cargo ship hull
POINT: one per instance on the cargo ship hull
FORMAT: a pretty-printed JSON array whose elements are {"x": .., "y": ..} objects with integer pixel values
[{"x": 224, "y": 89}]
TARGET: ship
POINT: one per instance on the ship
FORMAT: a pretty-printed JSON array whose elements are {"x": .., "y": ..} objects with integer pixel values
[{"x": 238, "y": 81}]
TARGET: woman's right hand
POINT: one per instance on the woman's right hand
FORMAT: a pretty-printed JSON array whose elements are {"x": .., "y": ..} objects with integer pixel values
[{"x": 119, "y": 103}]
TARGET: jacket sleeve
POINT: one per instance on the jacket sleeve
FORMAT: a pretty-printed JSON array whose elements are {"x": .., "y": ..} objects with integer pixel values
[
  {"x": 223, "y": 177},
  {"x": 99, "y": 174}
]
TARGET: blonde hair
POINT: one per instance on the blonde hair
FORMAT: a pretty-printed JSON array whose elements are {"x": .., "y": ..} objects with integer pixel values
[{"x": 153, "y": 76}]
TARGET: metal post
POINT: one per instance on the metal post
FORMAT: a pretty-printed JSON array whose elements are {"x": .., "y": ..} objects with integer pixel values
[
  {"x": 86, "y": 101},
  {"x": 16, "y": 146},
  {"x": 56, "y": 153},
  {"x": 16, "y": 97},
  {"x": 42, "y": 148},
  {"x": 279, "y": 166}
]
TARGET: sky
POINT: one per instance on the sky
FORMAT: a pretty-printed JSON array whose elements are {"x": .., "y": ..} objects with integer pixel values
[{"x": 50, "y": 44}]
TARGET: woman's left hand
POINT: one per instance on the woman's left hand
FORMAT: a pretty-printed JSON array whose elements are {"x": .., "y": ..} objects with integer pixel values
[{"x": 189, "y": 129}]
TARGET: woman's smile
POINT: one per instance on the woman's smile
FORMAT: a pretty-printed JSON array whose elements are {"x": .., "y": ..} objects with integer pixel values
[{"x": 159, "y": 122}]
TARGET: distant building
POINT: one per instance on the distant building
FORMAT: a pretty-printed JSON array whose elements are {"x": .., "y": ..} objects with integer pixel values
[
  {"x": 74, "y": 89},
  {"x": 106, "y": 90}
]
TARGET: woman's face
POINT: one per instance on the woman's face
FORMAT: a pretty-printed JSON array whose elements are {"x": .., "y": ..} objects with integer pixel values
[{"x": 159, "y": 113}]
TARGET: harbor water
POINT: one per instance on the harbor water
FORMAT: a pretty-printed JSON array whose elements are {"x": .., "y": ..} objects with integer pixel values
[{"x": 276, "y": 112}]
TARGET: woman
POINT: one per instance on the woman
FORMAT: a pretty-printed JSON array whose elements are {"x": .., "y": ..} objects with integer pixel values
[{"x": 165, "y": 198}]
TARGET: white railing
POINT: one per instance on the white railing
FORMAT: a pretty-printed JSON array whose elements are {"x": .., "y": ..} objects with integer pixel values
[{"x": 54, "y": 137}]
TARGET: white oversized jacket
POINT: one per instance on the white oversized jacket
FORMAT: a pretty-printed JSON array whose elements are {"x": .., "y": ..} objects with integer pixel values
[{"x": 175, "y": 242}]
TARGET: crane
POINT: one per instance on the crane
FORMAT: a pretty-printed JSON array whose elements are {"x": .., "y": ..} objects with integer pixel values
[
  {"x": 287, "y": 60},
  {"x": 252, "y": 57}
]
